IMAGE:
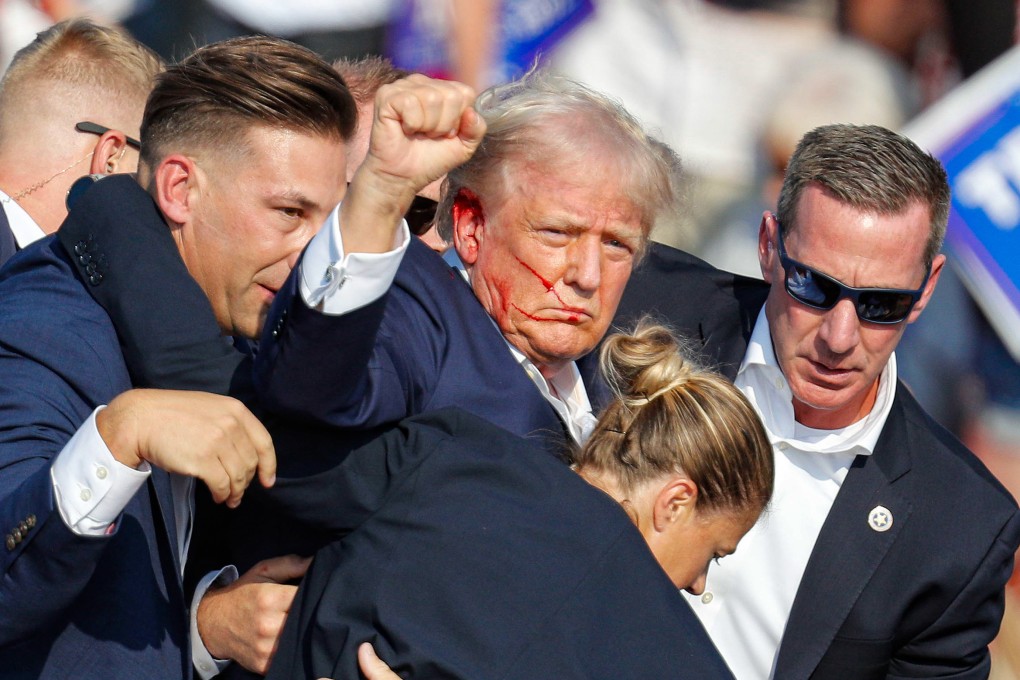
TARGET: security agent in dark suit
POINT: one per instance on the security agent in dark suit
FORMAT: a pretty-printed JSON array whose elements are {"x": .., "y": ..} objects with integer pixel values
[
  {"x": 467, "y": 552},
  {"x": 110, "y": 604},
  {"x": 904, "y": 568}
]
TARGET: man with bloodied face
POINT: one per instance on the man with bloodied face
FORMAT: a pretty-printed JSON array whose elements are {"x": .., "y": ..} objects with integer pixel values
[{"x": 548, "y": 218}]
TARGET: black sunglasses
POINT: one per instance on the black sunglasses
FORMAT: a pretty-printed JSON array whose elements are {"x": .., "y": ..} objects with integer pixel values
[
  {"x": 420, "y": 215},
  {"x": 815, "y": 289},
  {"x": 95, "y": 129}
]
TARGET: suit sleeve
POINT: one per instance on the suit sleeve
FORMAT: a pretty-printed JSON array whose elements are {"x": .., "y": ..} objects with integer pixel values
[
  {"x": 42, "y": 403},
  {"x": 956, "y": 644},
  {"x": 373, "y": 365}
]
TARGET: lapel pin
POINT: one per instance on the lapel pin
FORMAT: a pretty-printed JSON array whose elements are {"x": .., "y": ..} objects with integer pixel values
[{"x": 880, "y": 519}]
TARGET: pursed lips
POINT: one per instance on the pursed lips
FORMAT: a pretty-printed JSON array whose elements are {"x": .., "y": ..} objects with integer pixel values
[
  {"x": 573, "y": 315},
  {"x": 828, "y": 371}
]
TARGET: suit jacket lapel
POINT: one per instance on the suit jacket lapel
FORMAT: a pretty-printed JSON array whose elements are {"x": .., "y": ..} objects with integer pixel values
[
  {"x": 164, "y": 505},
  {"x": 847, "y": 534}
]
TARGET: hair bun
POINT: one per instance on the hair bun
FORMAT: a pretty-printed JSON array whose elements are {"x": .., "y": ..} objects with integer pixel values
[{"x": 645, "y": 363}]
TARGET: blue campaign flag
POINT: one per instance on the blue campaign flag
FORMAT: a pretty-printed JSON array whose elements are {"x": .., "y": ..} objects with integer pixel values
[
  {"x": 419, "y": 34},
  {"x": 975, "y": 132}
]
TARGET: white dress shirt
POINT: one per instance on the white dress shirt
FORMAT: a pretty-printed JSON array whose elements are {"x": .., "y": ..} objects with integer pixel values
[
  {"x": 748, "y": 595},
  {"x": 91, "y": 488},
  {"x": 337, "y": 283},
  {"x": 24, "y": 228}
]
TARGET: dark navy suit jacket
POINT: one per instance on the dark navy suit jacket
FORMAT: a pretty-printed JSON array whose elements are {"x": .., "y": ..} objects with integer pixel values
[
  {"x": 428, "y": 343},
  {"x": 72, "y": 606},
  {"x": 922, "y": 599},
  {"x": 616, "y": 579},
  {"x": 468, "y": 552}
]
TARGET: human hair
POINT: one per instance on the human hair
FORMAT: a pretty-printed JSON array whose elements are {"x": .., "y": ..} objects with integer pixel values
[
  {"x": 82, "y": 67},
  {"x": 871, "y": 169},
  {"x": 364, "y": 76},
  {"x": 542, "y": 120},
  {"x": 670, "y": 415},
  {"x": 216, "y": 95}
]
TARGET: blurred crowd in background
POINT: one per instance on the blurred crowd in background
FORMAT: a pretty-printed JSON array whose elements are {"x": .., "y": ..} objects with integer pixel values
[{"x": 730, "y": 84}]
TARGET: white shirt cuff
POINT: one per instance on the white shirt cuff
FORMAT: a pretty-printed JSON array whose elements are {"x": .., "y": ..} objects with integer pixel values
[
  {"x": 90, "y": 486},
  {"x": 205, "y": 665},
  {"x": 337, "y": 283}
]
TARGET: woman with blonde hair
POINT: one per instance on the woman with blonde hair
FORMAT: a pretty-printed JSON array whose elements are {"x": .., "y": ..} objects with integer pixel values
[{"x": 465, "y": 551}]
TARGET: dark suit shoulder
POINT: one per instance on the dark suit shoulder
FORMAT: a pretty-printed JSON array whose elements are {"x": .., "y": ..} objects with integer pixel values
[
  {"x": 40, "y": 286},
  {"x": 943, "y": 458}
]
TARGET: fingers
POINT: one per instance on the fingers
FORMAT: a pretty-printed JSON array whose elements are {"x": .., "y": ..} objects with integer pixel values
[
  {"x": 279, "y": 569},
  {"x": 265, "y": 452},
  {"x": 243, "y": 621},
  {"x": 372, "y": 666},
  {"x": 258, "y": 447},
  {"x": 207, "y": 436},
  {"x": 426, "y": 107},
  {"x": 235, "y": 458},
  {"x": 472, "y": 127}
]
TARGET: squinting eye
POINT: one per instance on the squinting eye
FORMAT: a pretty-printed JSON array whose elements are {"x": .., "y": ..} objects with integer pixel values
[{"x": 291, "y": 212}]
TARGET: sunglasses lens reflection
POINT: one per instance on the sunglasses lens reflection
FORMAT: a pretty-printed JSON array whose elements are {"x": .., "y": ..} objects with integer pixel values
[
  {"x": 815, "y": 290},
  {"x": 884, "y": 307},
  {"x": 803, "y": 285}
]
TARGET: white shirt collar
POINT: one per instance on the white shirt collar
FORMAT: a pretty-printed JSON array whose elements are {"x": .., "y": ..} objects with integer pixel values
[
  {"x": 23, "y": 227},
  {"x": 763, "y": 382},
  {"x": 565, "y": 391}
]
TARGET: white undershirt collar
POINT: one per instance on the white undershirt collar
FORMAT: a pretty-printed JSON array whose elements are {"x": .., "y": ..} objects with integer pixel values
[{"x": 24, "y": 228}]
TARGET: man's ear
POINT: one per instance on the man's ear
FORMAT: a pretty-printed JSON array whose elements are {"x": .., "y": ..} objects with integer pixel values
[
  {"x": 108, "y": 154},
  {"x": 172, "y": 185},
  {"x": 675, "y": 500},
  {"x": 468, "y": 225},
  {"x": 767, "y": 235},
  {"x": 929, "y": 288}
]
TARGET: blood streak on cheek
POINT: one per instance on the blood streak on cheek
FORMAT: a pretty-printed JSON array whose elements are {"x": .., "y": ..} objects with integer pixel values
[
  {"x": 549, "y": 286},
  {"x": 530, "y": 316}
]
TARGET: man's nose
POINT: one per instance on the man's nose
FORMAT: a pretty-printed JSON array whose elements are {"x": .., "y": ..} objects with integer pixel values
[
  {"x": 840, "y": 328},
  {"x": 584, "y": 268}
]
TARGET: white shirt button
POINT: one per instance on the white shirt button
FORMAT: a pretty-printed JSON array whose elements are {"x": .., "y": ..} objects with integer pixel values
[
  {"x": 707, "y": 597},
  {"x": 85, "y": 494},
  {"x": 782, "y": 446},
  {"x": 101, "y": 472}
]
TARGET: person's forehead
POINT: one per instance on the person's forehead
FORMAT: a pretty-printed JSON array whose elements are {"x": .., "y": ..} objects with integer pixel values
[
  {"x": 301, "y": 168},
  {"x": 567, "y": 186},
  {"x": 826, "y": 225}
]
